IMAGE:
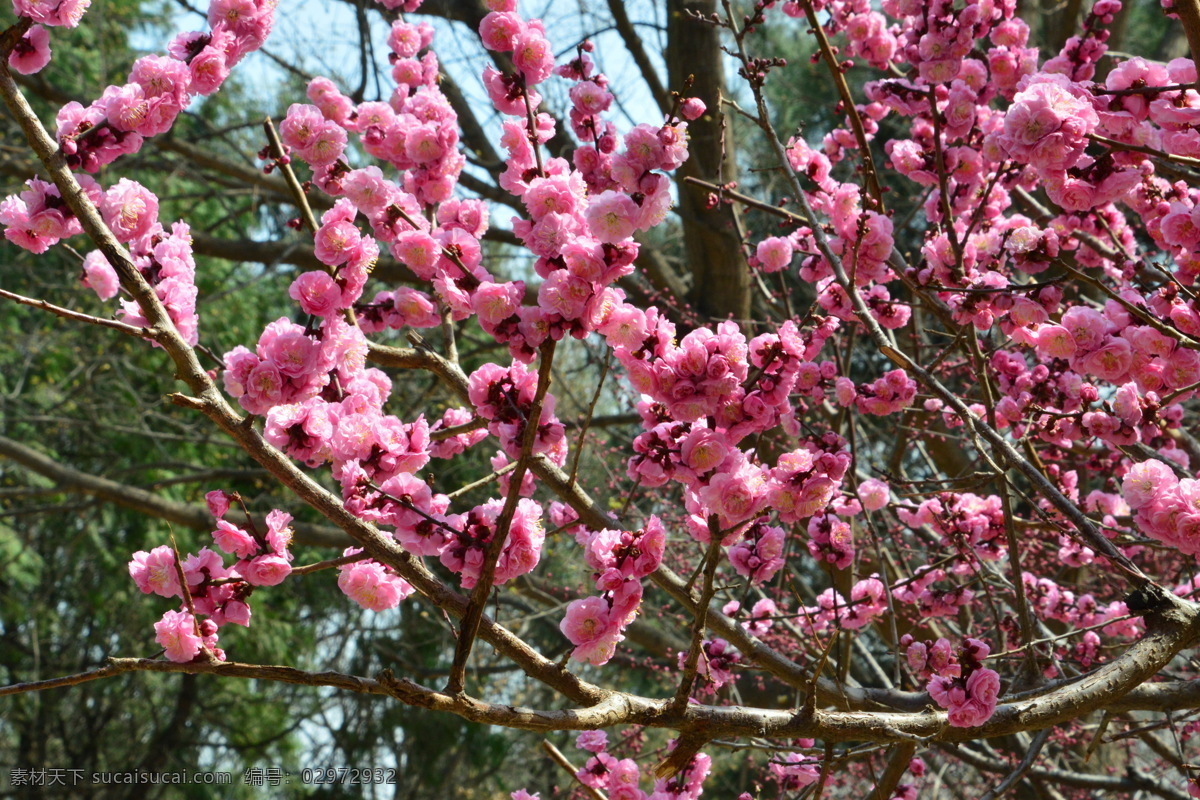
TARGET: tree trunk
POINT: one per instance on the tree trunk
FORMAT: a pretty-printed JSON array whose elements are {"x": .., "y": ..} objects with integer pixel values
[{"x": 720, "y": 276}]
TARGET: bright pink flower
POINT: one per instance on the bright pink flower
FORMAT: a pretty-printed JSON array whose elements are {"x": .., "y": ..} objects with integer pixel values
[
  {"x": 1047, "y": 123},
  {"x": 66, "y": 13},
  {"x": 129, "y": 209},
  {"x": 218, "y": 503},
  {"x": 500, "y": 29},
  {"x": 234, "y": 540},
  {"x": 533, "y": 55},
  {"x": 266, "y": 570},
  {"x": 209, "y": 69},
  {"x": 31, "y": 52},
  {"x": 774, "y": 254},
  {"x": 759, "y": 554},
  {"x": 317, "y": 293},
  {"x": 692, "y": 108},
  {"x": 1146, "y": 482},
  {"x": 610, "y": 216},
  {"x": 1110, "y": 362},
  {"x": 1055, "y": 341},
  {"x": 371, "y": 585},
  {"x": 99, "y": 276},
  {"x": 176, "y": 633},
  {"x": 155, "y": 571},
  {"x": 874, "y": 494},
  {"x": 587, "y": 625},
  {"x": 165, "y": 77},
  {"x": 592, "y": 741},
  {"x": 279, "y": 532}
]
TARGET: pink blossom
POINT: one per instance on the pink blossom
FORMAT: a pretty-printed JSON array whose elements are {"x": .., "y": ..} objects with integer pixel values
[
  {"x": 66, "y": 13},
  {"x": 156, "y": 571},
  {"x": 692, "y": 108},
  {"x": 1055, "y": 341},
  {"x": 317, "y": 293},
  {"x": 301, "y": 126},
  {"x": 266, "y": 570},
  {"x": 874, "y": 494},
  {"x": 774, "y": 254},
  {"x": 129, "y": 209},
  {"x": 234, "y": 540},
  {"x": 218, "y": 503},
  {"x": 592, "y": 741},
  {"x": 99, "y": 276},
  {"x": 165, "y": 77},
  {"x": 587, "y": 626},
  {"x": 610, "y": 216},
  {"x": 31, "y": 52},
  {"x": 371, "y": 585},
  {"x": 1047, "y": 124},
  {"x": 279, "y": 532},
  {"x": 500, "y": 29},
  {"x": 176, "y": 633},
  {"x": 759, "y": 555},
  {"x": 209, "y": 69},
  {"x": 1146, "y": 482},
  {"x": 533, "y": 55},
  {"x": 1109, "y": 362}
]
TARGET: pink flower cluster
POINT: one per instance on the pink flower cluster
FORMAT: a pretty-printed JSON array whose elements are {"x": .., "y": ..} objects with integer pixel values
[
  {"x": 964, "y": 520},
  {"x": 403, "y": 308},
  {"x": 65, "y": 13},
  {"x": 183, "y": 638},
  {"x": 1047, "y": 124},
  {"x": 965, "y": 688},
  {"x": 886, "y": 395},
  {"x": 160, "y": 87},
  {"x": 505, "y": 397},
  {"x": 618, "y": 778},
  {"x": 416, "y": 131},
  {"x": 759, "y": 553},
  {"x": 1082, "y": 609},
  {"x": 290, "y": 365},
  {"x": 867, "y": 603},
  {"x": 595, "y": 625},
  {"x": 38, "y": 219},
  {"x": 265, "y": 559},
  {"x": 470, "y": 535},
  {"x": 930, "y": 600},
  {"x": 216, "y": 592},
  {"x": 760, "y": 618},
  {"x": 618, "y": 556},
  {"x": 831, "y": 540},
  {"x": 805, "y": 481},
  {"x": 166, "y": 260},
  {"x": 1166, "y": 508}
]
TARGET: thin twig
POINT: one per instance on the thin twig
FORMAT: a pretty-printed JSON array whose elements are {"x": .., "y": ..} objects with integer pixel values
[
  {"x": 79, "y": 316},
  {"x": 282, "y": 161},
  {"x": 483, "y": 586}
]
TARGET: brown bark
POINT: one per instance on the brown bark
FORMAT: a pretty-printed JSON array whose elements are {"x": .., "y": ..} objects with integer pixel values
[{"x": 720, "y": 276}]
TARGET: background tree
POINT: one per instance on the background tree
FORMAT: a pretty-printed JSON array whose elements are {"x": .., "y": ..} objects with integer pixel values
[{"x": 68, "y": 427}]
